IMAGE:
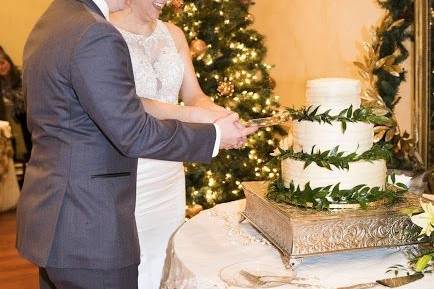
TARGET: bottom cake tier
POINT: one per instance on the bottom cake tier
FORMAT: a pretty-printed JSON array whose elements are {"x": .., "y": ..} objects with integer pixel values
[{"x": 368, "y": 173}]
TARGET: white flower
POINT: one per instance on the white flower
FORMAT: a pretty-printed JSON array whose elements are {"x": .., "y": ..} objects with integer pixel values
[{"x": 425, "y": 220}]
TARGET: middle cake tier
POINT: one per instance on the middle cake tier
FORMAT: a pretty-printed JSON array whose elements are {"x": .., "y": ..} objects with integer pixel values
[
  {"x": 368, "y": 173},
  {"x": 357, "y": 137}
]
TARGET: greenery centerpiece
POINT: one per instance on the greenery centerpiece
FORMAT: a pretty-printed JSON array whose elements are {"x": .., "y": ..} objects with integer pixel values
[{"x": 425, "y": 220}]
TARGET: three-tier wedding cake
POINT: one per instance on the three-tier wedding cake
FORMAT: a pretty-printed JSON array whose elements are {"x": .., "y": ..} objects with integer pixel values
[
  {"x": 330, "y": 161},
  {"x": 330, "y": 151}
]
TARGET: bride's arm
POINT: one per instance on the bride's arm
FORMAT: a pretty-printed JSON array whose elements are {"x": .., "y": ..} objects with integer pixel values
[
  {"x": 198, "y": 106},
  {"x": 162, "y": 110},
  {"x": 191, "y": 92}
]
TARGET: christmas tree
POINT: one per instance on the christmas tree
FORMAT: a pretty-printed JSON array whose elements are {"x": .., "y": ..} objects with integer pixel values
[{"x": 228, "y": 57}]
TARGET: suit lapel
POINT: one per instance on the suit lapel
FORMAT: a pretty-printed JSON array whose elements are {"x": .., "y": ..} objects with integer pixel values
[{"x": 92, "y": 6}]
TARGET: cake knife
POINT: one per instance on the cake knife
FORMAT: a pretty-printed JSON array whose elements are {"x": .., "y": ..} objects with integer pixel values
[
  {"x": 389, "y": 282},
  {"x": 277, "y": 119}
]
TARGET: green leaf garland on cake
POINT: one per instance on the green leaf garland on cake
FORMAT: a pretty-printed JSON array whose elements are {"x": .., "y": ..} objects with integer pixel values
[
  {"x": 330, "y": 161},
  {"x": 322, "y": 197},
  {"x": 335, "y": 157},
  {"x": 347, "y": 115}
]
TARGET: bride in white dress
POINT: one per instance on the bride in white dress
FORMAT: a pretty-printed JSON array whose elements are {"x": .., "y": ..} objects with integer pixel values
[{"x": 163, "y": 70}]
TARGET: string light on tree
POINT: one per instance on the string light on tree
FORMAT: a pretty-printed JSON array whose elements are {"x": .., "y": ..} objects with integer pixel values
[{"x": 250, "y": 18}]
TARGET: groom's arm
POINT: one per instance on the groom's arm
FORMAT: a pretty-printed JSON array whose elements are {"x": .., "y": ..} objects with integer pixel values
[{"x": 102, "y": 79}]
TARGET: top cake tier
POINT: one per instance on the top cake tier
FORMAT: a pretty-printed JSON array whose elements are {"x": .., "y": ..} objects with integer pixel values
[{"x": 334, "y": 94}]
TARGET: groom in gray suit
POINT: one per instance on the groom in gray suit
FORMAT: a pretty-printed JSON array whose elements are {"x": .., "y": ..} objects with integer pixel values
[{"x": 75, "y": 217}]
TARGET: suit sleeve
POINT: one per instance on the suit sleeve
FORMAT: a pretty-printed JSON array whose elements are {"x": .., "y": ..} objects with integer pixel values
[{"x": 102, "y": 78}]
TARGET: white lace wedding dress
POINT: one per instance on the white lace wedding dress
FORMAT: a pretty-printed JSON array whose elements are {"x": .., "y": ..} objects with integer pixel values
[{"x": 160, "y": 202}]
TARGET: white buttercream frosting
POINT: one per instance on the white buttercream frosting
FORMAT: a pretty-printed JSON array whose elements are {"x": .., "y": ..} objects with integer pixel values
[
  {"x": 335, "y": 94},
  {"x": 371, "y": 174},
  {"x": 358, "y": 137}
]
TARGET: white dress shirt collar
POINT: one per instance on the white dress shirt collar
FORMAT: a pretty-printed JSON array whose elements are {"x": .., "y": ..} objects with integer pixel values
[{"x": 103, "y": 6}]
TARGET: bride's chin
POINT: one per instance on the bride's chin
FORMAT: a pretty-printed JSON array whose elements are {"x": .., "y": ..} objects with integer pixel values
[{"x": 153, "y": 17}]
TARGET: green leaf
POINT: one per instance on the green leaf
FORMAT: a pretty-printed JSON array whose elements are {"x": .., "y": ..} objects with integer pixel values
[
  {"x": 402, "y": 186},
  {"x": 344, "y": 125},
  {"x": 335, "y": 190},
  {"x": 334, "y": 151},
  {"x": 357, "y": 188},
  {"x": 393, "y": 178},
  {"x": 307, "y": 163},
  {"x": 350, "y": 111},
  {"x": 312, "y": 150},
  {"x": 313, "y": 113},
  {"x": 364, "y": 191},
  {"x": 422, "y": 263},
  {"x": 324, "y": 154},
  {"x": 343, "y": 112}
]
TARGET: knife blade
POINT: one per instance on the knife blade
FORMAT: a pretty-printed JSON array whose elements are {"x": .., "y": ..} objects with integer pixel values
[
  {"x": 277, "y": 119},
  {"x": 389, "y": 282}
]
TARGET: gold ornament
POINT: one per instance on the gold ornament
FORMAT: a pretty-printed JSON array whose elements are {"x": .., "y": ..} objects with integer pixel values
[
  {"x": 198, "y": 48},
  {"x": 178, "y": 5},
  {"x": 250, "y": 17},
  {"x": 272, "y": 82},
  {"x": 226, "y": 88}
]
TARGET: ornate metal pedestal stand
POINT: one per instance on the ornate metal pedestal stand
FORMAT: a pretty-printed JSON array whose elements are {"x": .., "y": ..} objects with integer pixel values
[{"x": 299, "y": 232}]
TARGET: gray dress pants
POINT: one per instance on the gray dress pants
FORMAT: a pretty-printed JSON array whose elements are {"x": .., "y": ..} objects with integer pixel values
[{"x": 57, "y": 278}]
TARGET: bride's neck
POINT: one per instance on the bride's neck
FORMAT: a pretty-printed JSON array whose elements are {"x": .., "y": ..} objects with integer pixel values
[{"x": 126, "y": 20}]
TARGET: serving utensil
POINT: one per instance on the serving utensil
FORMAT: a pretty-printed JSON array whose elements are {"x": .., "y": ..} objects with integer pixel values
[
  {"x": 263, "y": 280},
  {"x": 389, "y": 282}
]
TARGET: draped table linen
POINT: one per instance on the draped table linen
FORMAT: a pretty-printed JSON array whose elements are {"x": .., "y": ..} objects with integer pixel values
[{"x": 214, "y": 239}]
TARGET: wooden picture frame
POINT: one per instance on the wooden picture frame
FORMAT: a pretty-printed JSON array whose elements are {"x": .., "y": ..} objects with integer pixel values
[{"x": 423, "y": 71}]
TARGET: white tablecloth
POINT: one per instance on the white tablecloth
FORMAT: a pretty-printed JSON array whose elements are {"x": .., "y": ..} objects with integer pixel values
[{"x": 213, "y": 240}]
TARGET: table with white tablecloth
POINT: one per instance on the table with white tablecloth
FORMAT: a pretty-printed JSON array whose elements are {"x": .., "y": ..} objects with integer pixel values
[{"x": 213, "y": 241}]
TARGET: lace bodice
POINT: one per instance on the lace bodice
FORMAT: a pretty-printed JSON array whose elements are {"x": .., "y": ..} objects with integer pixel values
[{"x": 157, "y": 65}]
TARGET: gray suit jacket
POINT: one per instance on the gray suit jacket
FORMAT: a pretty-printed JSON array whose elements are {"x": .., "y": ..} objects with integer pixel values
[{"x": 88, "y": 129}]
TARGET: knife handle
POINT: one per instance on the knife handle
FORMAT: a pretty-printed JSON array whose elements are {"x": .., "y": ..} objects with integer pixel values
[{"x": 361, "y": 286}]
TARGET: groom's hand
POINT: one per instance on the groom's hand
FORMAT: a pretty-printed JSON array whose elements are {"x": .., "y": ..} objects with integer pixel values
[{"x": 233, "y": 133}]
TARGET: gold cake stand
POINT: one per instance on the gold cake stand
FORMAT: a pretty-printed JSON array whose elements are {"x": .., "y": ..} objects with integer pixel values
[{"x": 299, "y": 232}]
